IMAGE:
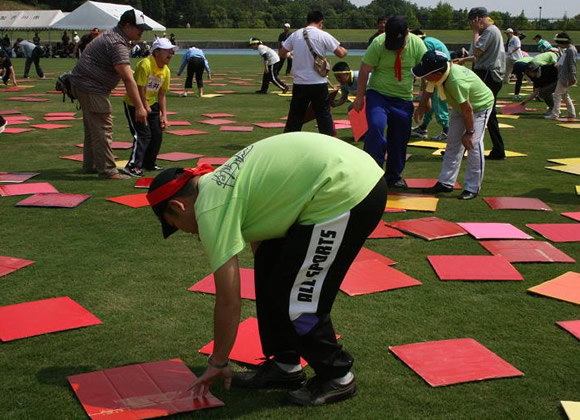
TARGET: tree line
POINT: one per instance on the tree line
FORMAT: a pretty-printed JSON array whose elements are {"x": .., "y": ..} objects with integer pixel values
[{"x": 338, "y": 14}]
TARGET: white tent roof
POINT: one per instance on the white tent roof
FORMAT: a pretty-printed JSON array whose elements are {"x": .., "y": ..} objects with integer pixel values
[
  {"x": 29, "y": 19},
  {"x": 92, "y": 14}
]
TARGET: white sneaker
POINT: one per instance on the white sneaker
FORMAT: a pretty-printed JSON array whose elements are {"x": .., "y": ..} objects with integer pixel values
[
  {"x": 550, "y": 116},
  {"x": 441, "y": 137},
  {"x": 517, "y": 98},
  {"x": 184, "y": 95}
]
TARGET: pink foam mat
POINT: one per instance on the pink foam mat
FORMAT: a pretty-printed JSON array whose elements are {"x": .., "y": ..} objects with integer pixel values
[
  {"x": 494, "y": 231},
  {"x": 14, "y": 130},
  {"x": 185, "y": 132},
  {"x": 516, "y": 203},
  {"x": 42, "y": 317},
  {"x": 558, "y": 232},
  {"x": 574, "y": 215},
  {"x": 60, "y": 114},
  {"x": 178, "y": 123},
  {"x": 17, "y": 177},
  {"x": 527, "y": 251},
  {"x": 247, "y": 288},
  {"x": 10, "y": 264},
  {"x": 573, "y": 327},
  {"x": 366, "y": 254},
  {"x": 141, "y": 391},
  {"x": 382, "y": 231},
  {"x": 429, "y": 228},
  {"x": 372, "y": 276},
  {"x": 449, "y": 362},
  {"x": 77, "y": 157},
  {"x": 213, "y": 160},
  {"x": 24, "y": 189},
  {"x": 178, "y": 156},
  {"x": 63, "y": 118},
  {"x": 132, "y": 200},
  {"x": 473, "y": 267},
  {"x": 270, "y": 125},
  {"x": 59, "y": 200},
  {"x": 217, "y": 121},
  {"x": 237, "y": 128},
  {"x": 51, "y": 126}
]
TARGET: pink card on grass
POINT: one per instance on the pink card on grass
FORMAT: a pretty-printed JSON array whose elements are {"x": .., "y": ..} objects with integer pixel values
[
  {"x": 565, "y": 287},
  {"x": 16, "y": 122},
  {"x": 144, "y": 182},
  {"x": 366, "y": 254},
  {"x": 10, "y": 264},
  {"x": 17, "y": 118},
  {"x": 516, "y": 203},
  {"x": 429, "y": 228},
  {"x": 51, "y": 126},
  {"x": 217, "y": 121},
  {"x": 77, "y": 157},
  {"x": 527, "y": 251},
  {"x": 558, "y": 232},
  {"x": 132, "y": 200},
  {"x": 574, "y": 215},
  {"x": 573, "y": 327},
  {"x": 178, "y": 156},
  {"x": 517, "y": 108},
  {"x": 185, "y": 132},
  {"x": 382, "y": 231},
  {"x": 42, "y": 317},
  {"x": 270, "y": 125},
  {"x": 60, "y": 114},
  {"x": 5, "y": 112},
  {"x": 425, "y": 183},
  {"x": 178, "y": 123},
  {"x": 372, "y": 276},
  {"x": 16, "y": 177},
  {"x": 59, "y": 200},
  {"x": 57, "y": 118},
  {"x": 25, "y": 189},
  {"x": 114, "y": 145},
  {"x": 449, "y": 362},
  {"x": 14, "y": 130},
  {"x": 237, "y": 128},
  {"x": 473, "y": 267},
  {"x": 247, "y": 288},
  {"x": 214, "y": 161},
  {"x": 494, "y": 231},
  {"x": 141, "y": 391}
]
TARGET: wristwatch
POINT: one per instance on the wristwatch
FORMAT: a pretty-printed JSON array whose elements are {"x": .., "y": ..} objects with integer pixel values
[{"x": 216, "y": 365}]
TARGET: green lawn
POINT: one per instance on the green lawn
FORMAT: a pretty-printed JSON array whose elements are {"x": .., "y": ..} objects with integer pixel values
[{"x": 112, "y": 260}]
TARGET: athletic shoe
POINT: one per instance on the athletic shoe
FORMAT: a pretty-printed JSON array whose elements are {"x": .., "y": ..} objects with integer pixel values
[
  {"x": 285, "y": 90},
  {"x": 3, "y": 124},
  {"x": 467, "y": 195},
  {"x": 319, "y": 392},
  {"x": 400, "y": 184},
  {"x": 135, "y": 172},
  {"x": 441, "y": 137},
  {"x": 517, "y": 98},
  {"x": 184, "y": 95},
  {"x": 269, "y": 375},
  {"x": 437, "y": 188},
  {"x": 550, "y": 116},
  {"x": 119, "y": 177},
  {"x": 418, "y": 132}
]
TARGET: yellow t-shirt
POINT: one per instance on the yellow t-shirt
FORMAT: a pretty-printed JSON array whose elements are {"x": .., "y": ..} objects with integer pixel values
[{"x": 152, "y": 77}]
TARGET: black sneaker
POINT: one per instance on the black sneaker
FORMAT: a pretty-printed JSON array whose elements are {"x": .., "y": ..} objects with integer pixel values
[
  {"x": 318, "y": 392},
  {"x": 269, "y": 375},
  {"x": 154, "y": 168},
  {"x": 135, "y": 172},
  {"x": 400, "y": 184},
  {"x": 437, "y": 188},
  {"x": 467, "y": 195}
]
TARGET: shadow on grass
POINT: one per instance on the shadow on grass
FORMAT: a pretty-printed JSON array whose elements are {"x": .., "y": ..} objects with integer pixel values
[
  {"x": 57, "y": 375},
  {"x": 551, "y": 196},
  {"x": 66, "y": 175}
]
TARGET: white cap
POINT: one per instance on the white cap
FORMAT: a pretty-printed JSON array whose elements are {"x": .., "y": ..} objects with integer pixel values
[
  {"x": 287, "y": 25},
  {"x": 164, "y": 44},
  {"x": 509, "y": 31}
]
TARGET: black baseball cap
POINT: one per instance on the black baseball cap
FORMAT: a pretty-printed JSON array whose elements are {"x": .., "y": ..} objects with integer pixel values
[
  {"x": 132, "y": 17},
  {"x": 395, "y": 32},
  {"x": 530, "y": 67},
  {"x": 477, "y": 12},
  {"x": 432, "y": 61}
]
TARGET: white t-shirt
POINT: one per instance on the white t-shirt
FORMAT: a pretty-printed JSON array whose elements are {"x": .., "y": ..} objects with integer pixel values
[
  {"x": 514, "y": 43},
  {"x": 303, "y": 65},
  {"x": 268, "y": 54}
]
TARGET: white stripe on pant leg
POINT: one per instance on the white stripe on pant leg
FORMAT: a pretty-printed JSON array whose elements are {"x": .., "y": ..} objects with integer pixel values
[
  {"x": 324, "y": 245},
  {"x": 133, "y": 131},
  {"x": 274, "y": 77}
]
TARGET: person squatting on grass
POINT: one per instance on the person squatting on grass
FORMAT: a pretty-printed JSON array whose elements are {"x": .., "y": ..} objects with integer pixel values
[
  {"x": 389, "y": 96},
  {"x": 196, "y": 63},
  {"x": 567, "y": 75},
  {"x": 7, "y": 69},
  {"x": 271, "y": 66},
  {"x": 309, "y": 86},
  {"x": 102, "y": 65},
  {"x": 545, "y": 79},
  {"x": 472, "y": 103},
  {"x": 520, "y": 65},
  {"x": 306, "y": 202},
  {"x": 152, "y": 76},
  {"x": 348, "y": 80}
]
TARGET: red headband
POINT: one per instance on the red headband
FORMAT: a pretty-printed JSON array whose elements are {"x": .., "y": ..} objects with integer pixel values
[{"x": 168, "y": 190}]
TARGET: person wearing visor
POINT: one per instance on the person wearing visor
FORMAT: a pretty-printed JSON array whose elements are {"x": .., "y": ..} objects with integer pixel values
[
  {"x": 472, "y": 103},
  {"x": 271, "y": 66},
  {"x": 306, "y": 203},
  {"x": 389, "y": 96},
  {"x": 348, "y": 80},
  {"x": 567, "y": 76},
  {"x": 104, "y": 63},
  {"x": 152, "y": 76}
]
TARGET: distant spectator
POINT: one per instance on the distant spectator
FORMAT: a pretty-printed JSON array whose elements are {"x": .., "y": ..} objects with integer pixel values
[
  {"x": 84, "y": 41},
  {"x": 6, "y": 45},
  {"x": 146, "y": 50},
  {"x": 567, "y": 75},
  {"x": 65, "y": 39},
  {"x": 271, "y": 66},
  {"x": 7, "y": 69},
  {"x": 309, "y": 86},
  {"x": 32, "y": 53},
  {"x": 543, "y": 45},
  {"x": 187, "y": 25},
  {"x": 36, "y": 39},
  {"x": 196, "y": 63},
  {"x": 172, "y": 39},
  {"x": 513, "y": 52},
  {"x": 136, "y": 51},
  {"x": 381, "y": 22},
  {"x": 76, "y": 38},
  {"x": 281, "y": 38}
]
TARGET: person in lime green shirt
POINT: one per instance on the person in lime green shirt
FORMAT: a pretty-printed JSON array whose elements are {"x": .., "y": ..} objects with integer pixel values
[
  {"x": 306, "y": 202},
  {"x": 472, "y": 103},
  {"x": 389, "y": 95},
  {"x": 152, "y": 76}
]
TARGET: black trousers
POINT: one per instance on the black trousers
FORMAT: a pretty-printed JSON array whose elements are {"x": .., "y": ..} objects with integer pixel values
[
  {"x": 34, "y": 58},
  {"x": 497, "y": 149},
  {"x": 146, "y": 138},
  {"x": 195, "y": 66},
  {"x": 6, "y": 76},
  {"x": 297, "y": 279},
  {"x": 518, "y": 70},
  {"x": 302, "y": 96},
  {"x": 272, "y": 76}
]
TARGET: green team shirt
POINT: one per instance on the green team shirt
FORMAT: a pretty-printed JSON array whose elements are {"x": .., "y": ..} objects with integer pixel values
[
  {"x": 152, "y": 77},
  {"x": 464, "y": 85},
  {"x": 545, "y": 59},
  {"x": 383, "y": 79},
  {"x": 300, "y": 177}
]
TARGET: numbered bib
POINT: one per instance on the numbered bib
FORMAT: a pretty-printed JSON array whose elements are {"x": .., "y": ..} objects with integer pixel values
[{"x": 154, "y": 83}]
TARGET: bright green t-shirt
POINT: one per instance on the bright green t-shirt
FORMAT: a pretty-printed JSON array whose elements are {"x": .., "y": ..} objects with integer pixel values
[
  {"x": 545, "y": 59},
  {"x": 300, "y": 177},
  {"x": 464, "y": 85},
  {"x": 383, "y": 78},
  {"x": 152, "y": 77}
]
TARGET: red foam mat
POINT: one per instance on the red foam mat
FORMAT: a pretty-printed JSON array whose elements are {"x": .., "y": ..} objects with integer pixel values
[
  {"x": 516, "y": 203},
  {"x": 372, "y": 276},
  {"x": 144, "y": 182},
  {"x": 248, "y": 290},
  {"x": 9, "y": 264},
  {"x": 558, "y": 232},
  {"x": 17, "y": 177},
  {"x": 429, "y": 228},
  {"x": 216, "y": 161},
  {"x": 574, "y": 215},
  {"x": 25, "y": 189},
  {"x": 527, "y": 251},
  {"x": 382, "y": 231},
  {"x": 473, "y": 267},
  {"x": 178, "y": 156},
  {"x": 60, "y": 200},
  {"x": 132, "y": 200},
  {"x": 185, "y": 132},
  {"x": 573, "y": 327},
  {"x": 366, "y": 254}
]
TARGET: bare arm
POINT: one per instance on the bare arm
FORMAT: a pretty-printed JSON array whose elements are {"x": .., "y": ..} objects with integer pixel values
[
  {"x": 163, "y": 107},
  {"x": 126, "y": 74},
  {"x": 467, "y": 115},
  {"x": 283, "y": 52},
  {"x": 531, "y": 96},
  {"x": 424, "y": 106},
  {"x": 13, "y": 75},
  {"x": 363, "y": 77},
  {"x": 340, "y": 51}
]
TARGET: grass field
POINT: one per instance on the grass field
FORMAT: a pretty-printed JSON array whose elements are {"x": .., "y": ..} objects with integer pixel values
[{"x": 113, "y": 261}]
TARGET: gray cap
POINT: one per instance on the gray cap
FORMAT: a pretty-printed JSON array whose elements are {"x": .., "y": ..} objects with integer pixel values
[{"x": 477, "y": 12}]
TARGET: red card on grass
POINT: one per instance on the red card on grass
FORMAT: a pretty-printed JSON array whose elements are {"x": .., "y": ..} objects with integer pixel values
[
  {"x": 366, "y": 254},
  {"x": 14, "y": 130},
  {"x": 42, "y": 317},
  {"x": 177, "y": 156},
  {"x": 16, "y": 122},
  {"x": 114, "y": 145},
  {"x": 9, "y": 264},
  {"x": 214, "y": 161},
  {"x": 17, "y": 177},
  {"x": 51, "y": 126},
  {"x": 24, "y": 189},
  {"x": 178, "y": 123},
  {"x": 429, "y": 228},
  {"x": 516, "y": 203},
  {"x": 473, "y": 267},
  {"x": 425, "y": 183},
  {"x": 59, "y": 200},
  {"x": 574, "y": 215},
  {"x": 247, "y": 288},
  {"x": 185, "y": 132},
  {"x": 517, "y": 108},
  {"x": 558, "y": 232},
  {"x": 217, "y": 121},
  {"x": 132, "y": 200},
  {"x": 565, "y": 287},
  {"x": 358, "y": 122},
  {"x": 141, "y": 391},
  {"x": 372, "y": 276},
  {"x": 17, "y": 118},
  {"x": 382, "y": 231},
  {"x": 5, "y": 112},
  {"x": 60, "y": 114},
  {"x": 270, "y": 125},
  {"x": 57, "y": 118},
  {"x": 527, "y": 251},
  {"x": 237, "y": 128},
  {"x": 494, "y": 231},
  {"x": 77, "y": 158},
  {"x": 144, "y": 182},
  {"x": 573, "y": 327},
  {"x": 449, "y": 362}
]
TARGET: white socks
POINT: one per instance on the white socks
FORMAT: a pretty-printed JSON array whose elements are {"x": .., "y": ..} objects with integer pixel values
[
  {"x": 345, "y": 380},
  {"x": 289, "y": 368}
]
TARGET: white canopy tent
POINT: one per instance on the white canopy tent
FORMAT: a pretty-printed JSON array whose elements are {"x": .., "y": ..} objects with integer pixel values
[
  {"x": 92, "y": 14},
  {"x": 29, "y": 20}
]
